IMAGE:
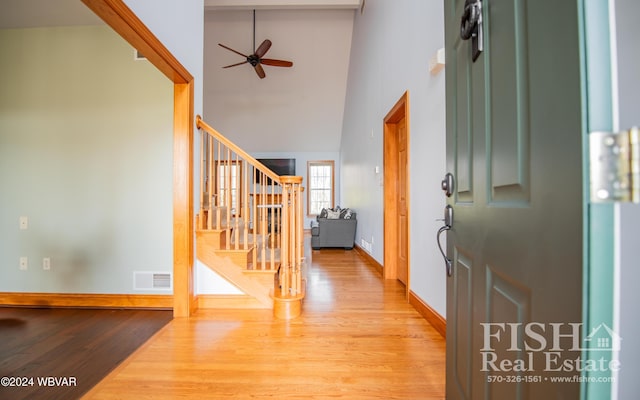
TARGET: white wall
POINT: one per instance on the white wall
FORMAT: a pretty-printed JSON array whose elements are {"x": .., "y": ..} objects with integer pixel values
[
  {"x": 85, "y": 154},
  {"x": 391, "y": 47},
  {"x": 629, "y": 296}
]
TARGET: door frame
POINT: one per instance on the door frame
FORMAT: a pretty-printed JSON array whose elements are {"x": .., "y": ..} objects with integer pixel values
[
  {"x": 601, "y": 262},
  {"x": 390, "y": 161}
]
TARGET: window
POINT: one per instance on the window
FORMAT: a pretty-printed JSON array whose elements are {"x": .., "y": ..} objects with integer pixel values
[
  {"x": 229, "y": 178},
  {"x": 320, "y": 182}
]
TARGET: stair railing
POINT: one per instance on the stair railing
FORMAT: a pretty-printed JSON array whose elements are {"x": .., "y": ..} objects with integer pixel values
[{"x": 254, "y": 208}]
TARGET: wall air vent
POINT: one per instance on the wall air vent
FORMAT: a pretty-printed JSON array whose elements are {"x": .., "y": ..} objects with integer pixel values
[{"x": 144, "y": 280}]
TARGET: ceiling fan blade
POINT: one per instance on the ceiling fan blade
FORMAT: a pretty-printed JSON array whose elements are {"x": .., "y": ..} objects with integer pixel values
[
  {"x": 236, "y": 64},
  {"x": 230, "y": 49},
  {"x": 264, "y": 47},
  {"x": 276, "y": 63},
  {"x": 260, "y": 71}
]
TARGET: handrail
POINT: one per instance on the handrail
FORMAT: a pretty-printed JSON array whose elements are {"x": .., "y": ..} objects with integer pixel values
[{"x": 200, "y": 124}]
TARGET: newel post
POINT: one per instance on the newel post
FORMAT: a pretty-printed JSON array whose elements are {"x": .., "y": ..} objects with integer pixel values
[{"x": 291, "y": 256}]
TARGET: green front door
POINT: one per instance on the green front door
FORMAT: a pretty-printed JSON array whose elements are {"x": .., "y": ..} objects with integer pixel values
[{"x": 515, "y": 128}]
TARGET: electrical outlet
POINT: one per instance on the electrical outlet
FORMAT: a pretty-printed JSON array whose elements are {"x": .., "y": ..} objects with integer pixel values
[
  {"x": 24, "y": 223},
  {"x": 46, "y": 263},
  {"x": 24, "y": 263}
]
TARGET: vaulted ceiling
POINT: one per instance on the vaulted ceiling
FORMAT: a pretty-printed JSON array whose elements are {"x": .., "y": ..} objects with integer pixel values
[{"x": 292, "y": 109}]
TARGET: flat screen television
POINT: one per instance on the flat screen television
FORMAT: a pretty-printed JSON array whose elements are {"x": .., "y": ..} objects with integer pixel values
[{"x": 280, "y": 166}]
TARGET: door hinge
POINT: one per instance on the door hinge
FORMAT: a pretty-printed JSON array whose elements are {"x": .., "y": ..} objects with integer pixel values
[{"x": 615, "y": 166}]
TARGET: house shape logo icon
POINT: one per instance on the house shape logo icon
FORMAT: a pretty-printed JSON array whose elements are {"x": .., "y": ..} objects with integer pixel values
[{"x": 603, "y": 338}]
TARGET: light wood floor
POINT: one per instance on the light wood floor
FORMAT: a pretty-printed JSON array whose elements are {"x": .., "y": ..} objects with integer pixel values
[{"x": 357, "y": 338}]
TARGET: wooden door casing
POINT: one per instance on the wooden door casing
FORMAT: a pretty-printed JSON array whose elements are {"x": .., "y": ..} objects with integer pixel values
[{"x": 397, "y": 117}]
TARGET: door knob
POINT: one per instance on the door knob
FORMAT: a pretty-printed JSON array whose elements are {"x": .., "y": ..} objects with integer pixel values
[
  {"x": 448, "y": 223},
  {"x": 447, "y": 184}
]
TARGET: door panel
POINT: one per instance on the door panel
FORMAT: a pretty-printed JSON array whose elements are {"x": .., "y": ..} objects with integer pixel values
[
  {"x": 508, "y": 90},
  {"x": 462, "y": 129},
  {"x": 514, "y": 146},
  {"x": 461, "y": 304},
  {"x": 507, "y": 301}
]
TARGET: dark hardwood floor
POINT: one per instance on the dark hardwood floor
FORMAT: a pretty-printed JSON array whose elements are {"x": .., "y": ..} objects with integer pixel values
[{"x": 62, "y": 353}]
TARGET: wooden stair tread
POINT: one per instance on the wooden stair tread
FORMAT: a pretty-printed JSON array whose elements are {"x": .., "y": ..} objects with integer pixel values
[
  {"x": 260, "y": 271},
  {"x": 233, "y": 250}
]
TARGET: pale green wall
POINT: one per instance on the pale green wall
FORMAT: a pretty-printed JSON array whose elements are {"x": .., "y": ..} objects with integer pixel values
[{"x": 86, "y": 154}]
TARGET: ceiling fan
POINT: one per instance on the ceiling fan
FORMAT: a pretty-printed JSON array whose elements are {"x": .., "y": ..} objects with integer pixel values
[{"x": 256, "y": 59}]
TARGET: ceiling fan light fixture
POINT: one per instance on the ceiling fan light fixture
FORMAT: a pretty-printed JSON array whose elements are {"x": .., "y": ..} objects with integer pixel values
[{"x": 255, "y": 59}]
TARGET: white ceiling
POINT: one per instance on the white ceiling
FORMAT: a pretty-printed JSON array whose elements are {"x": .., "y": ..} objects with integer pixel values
[{"x": 292, "y": 109}]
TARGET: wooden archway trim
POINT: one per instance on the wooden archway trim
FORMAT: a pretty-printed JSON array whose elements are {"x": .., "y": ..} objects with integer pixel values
[{"x": 124, "y": 22}]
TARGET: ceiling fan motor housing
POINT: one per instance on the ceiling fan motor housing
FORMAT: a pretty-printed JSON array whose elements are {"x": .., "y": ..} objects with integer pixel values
[{"x": 253, "y": 60}]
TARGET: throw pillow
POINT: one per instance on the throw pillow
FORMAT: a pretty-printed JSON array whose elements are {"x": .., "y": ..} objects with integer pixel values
[
  {"x": 323, "y": 213},
  {"x": 345, "y": 213},
  {"x": 333, "y": 214}
]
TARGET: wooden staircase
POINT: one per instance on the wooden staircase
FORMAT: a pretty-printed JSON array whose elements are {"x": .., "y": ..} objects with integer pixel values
[{"x": 249, "y": 228}]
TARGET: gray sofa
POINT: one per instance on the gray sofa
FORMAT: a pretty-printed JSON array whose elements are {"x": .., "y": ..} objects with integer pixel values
[{"x": 331, "y": 232}]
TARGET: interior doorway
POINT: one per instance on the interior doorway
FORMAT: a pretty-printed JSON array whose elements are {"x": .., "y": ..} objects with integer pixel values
[{"x": 396, "y": 192}]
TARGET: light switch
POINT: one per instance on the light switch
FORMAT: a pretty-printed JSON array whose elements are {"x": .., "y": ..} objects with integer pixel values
[{"x": 24, "y": 223}]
